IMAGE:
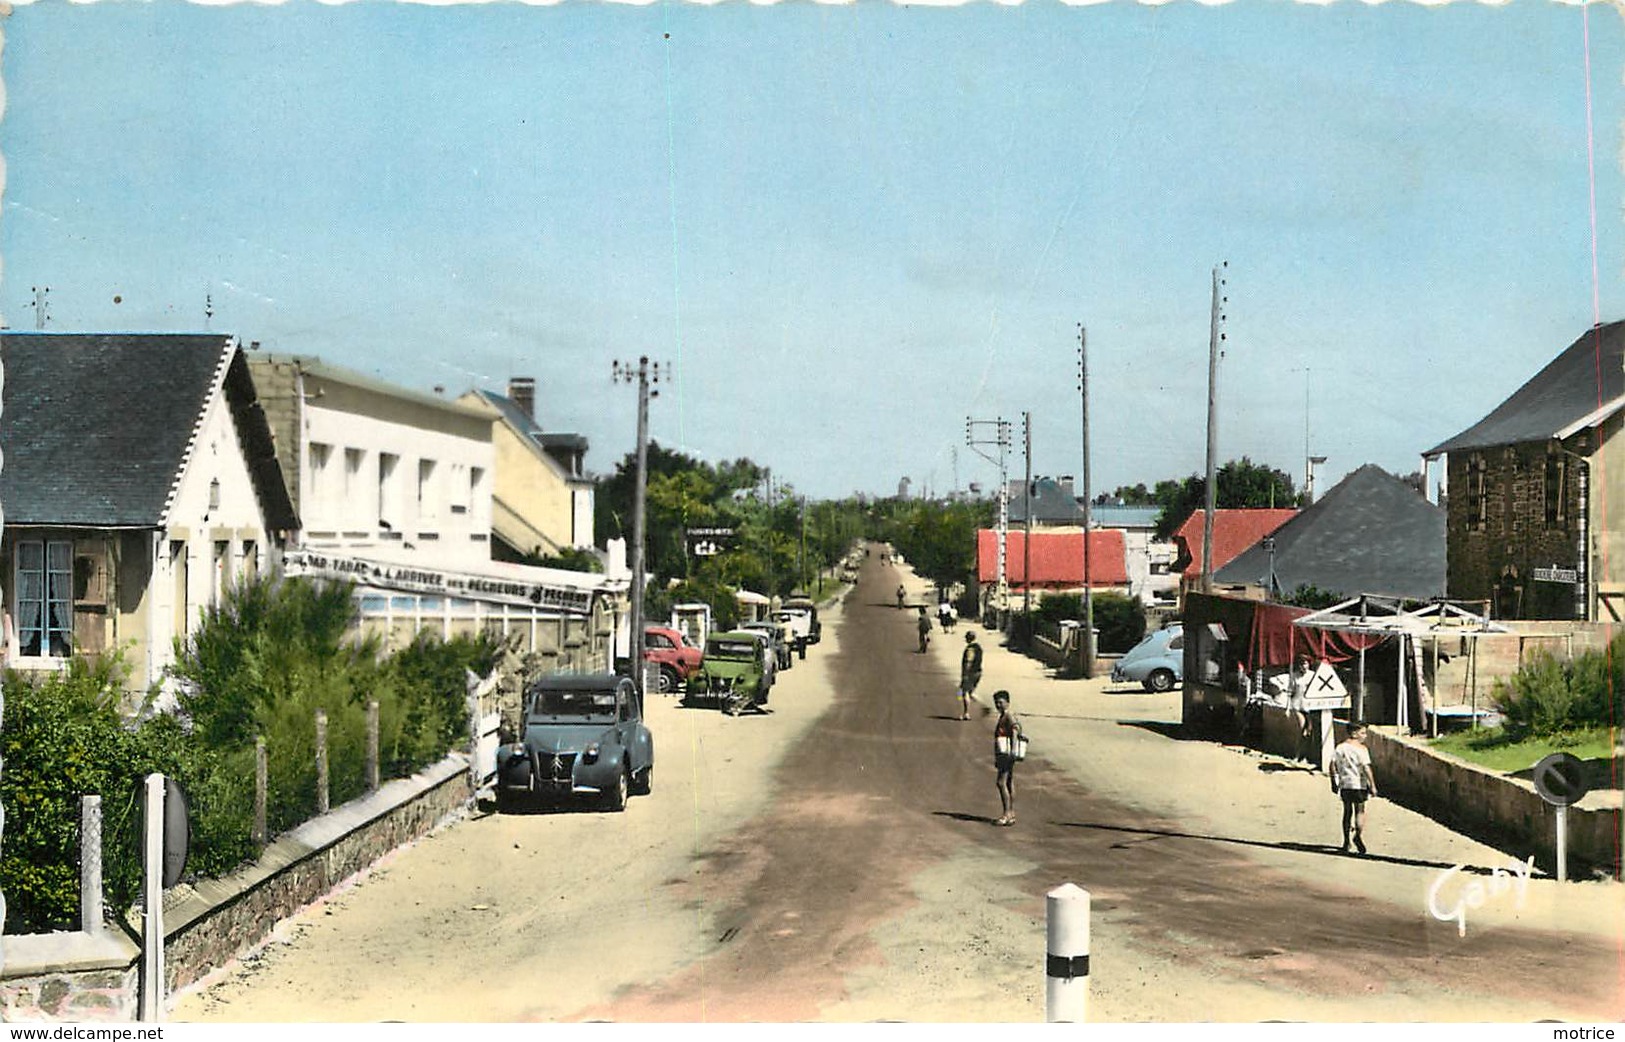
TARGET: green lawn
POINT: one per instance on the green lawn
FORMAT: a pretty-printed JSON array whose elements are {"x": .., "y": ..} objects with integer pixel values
[{"x": 1488, "y": 747}]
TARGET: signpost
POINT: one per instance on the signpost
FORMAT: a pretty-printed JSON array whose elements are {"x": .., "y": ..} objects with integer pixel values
[
  {"x": 1560, "y": 780},
  {"x": 166, "y": 837}
]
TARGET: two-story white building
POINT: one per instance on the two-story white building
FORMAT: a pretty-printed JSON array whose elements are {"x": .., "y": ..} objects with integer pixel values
[{"x": 395, "y": 491}]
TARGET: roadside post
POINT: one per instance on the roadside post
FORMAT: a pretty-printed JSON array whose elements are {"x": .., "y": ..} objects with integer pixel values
[
  {"x": 1560, "y": 780},
  {"x": 1066, "y": 962},
  {"x": 166, "y": 836}
]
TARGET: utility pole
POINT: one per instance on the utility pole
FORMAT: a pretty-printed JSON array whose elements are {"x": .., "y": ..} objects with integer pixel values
[
  {"x": 1088, "y": 588},
  {"x": 1215, "y": 338},
  {"x": 804, "y": 587},
  {"x": 1001, "y": 442},
  {"x": 644, "y": 374},
  {"x": 42, "y": 306},
  {"x": 1027, "y": 521}
]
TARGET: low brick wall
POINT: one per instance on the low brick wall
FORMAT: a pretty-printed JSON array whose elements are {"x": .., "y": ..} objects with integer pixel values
[{"x": 78, "y": 976}]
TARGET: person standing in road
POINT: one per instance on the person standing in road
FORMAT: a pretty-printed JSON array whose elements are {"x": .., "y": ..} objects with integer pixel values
[
  {"x": 923, "y": 624},
  {"x": 970, "y": 674},
  {"x": 1352, "y": 779},
  {"x": 900, "y": 595},
  {"x": 1006, "y": 732}
]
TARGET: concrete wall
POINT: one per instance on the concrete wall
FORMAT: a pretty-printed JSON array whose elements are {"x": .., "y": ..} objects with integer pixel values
[{"x": 78, "y": 976}]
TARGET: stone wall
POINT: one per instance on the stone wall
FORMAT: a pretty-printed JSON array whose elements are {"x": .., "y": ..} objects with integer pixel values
[
  {"x": 78, "y": 976},
  {"x": 1504, "y": 812}
]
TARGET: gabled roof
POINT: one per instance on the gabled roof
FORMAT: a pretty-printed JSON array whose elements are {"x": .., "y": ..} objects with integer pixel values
[
  {"x": 1584, "y": 383},
  {"x": 1370, "y": 533},
  {"x": 97, "y": 427},
  {"x": 1057, "y": 558},
  {"x": 1234, "y": 530},
  {"x": 526, "y": 426},
  {"x": 1052, "y": 504}
]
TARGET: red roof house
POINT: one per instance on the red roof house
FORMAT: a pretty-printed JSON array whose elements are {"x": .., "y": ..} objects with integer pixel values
[
  {"x": 1057, "y": 559},
  {"x": 1235, "y": 531}
]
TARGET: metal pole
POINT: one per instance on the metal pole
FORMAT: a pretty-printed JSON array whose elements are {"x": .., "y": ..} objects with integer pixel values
[
  {"x": 152, "y": 901},
  {"x": 90, "y": 864},
  {"x": 1066, "y": 958},
  {"x": 1562, "y": 844},
  {"x": 638, "y": 564}
]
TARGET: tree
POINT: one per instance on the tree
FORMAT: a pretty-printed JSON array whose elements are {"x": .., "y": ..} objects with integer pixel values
[{"x": 1238, "y": 484}]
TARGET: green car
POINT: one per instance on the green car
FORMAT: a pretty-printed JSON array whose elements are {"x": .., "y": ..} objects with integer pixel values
[{"x": 731, "y": 672}]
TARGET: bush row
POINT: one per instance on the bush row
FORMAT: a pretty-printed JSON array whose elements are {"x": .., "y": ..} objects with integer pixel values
[{"x": 259, "y": 666}]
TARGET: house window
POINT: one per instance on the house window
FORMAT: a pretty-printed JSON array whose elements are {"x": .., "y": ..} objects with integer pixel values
[
  {"x": 44, "y": 598},
  {"x": 251, "y": 558},
  {"x": 426, "y": 497},
  {"x": 319, "y": 456},
  {"x": 1477, "y": 501},
  {"x": 388, "y": 512},
  {"x": 353, "y": 459},
  {"x": 1556, "y": 512}
]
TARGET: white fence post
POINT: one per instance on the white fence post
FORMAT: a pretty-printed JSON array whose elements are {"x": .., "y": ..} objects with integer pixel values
[
  {"x": 322, "y": 795},
  {"x": 152, "y": 901},
  {"x": 372, "y": 745},
  {"x": 1066, "y": 962},
  {"x": 90, "y": 864}
]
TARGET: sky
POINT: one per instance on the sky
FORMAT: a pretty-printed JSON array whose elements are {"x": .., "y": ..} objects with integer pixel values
[{"x": 846, "y": 229}]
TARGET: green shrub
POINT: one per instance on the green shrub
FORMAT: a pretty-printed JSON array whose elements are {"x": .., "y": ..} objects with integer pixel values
[
  {"x": 1552, "y": 696},
  {"x": 64, "y": 738},
  {"x": 1119, "y": 618}
]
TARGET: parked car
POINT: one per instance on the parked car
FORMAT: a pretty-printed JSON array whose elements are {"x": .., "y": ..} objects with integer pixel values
[
  {"x": 677, "y": 658},
  {"x": 731, "y": 672},
  {"x": 1157, "y": 662},
  {"x": 815, "y": 629},
  {"x": 779, "y": 639},
  {"x": 799, "y": 622},
  {"x": 583, "y": 735}
]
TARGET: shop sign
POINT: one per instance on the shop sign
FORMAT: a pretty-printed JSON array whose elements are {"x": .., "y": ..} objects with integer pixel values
[
  {"x": 1554, "y": 574},
  {"x": 416, "y": 579},
  {"x": 708, "y": 542}
]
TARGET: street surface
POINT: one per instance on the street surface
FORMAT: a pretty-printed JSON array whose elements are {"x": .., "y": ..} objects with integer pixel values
[{"x": 835, "y": 860}]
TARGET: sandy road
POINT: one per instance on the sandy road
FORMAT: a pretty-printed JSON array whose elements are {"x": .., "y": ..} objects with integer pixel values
[{"x": 835, "y": 861}]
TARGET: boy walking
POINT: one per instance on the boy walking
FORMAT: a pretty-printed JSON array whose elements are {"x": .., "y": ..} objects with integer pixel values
[
  {"x": 970, "y": 673},
  {"x": 1352, "y": 779}
]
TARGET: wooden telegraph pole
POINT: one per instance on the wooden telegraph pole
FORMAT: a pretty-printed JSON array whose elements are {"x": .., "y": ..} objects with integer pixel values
[
  {"x": 645, "y": 373},
  {"x": 1088, "y": 589},
  {"x": 1215, "y": 338}
]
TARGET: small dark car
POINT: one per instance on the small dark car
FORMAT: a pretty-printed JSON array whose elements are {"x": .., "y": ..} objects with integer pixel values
[{"x": 583, "y": 735}]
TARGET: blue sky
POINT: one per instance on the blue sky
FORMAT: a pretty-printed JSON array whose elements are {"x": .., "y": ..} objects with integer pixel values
[{"x": 848, "y": 228}]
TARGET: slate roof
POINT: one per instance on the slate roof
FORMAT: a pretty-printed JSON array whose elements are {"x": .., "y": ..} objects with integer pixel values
[
  {"x": 1370, "y": 533},
  {"x": 1587, "y": 376},
  {"x": 97, "y": 426},
  {"x": 1234, "y": 530},
  {"x": 1057, "y": 558},
  {"x": 1052, "y": 504}
]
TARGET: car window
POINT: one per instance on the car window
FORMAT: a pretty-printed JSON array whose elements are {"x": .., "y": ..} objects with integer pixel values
[
  {"x": 588, "y": 705},
  {"x": 731, "y": 648},
  {"x": 1176, "y": 643},
  {"x": 657, "y": 640}
]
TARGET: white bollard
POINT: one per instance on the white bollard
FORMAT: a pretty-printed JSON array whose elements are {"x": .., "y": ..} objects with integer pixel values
[{"x": 1066, "y": 963}]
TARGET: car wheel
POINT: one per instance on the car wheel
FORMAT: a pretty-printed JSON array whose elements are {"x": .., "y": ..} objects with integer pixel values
[
  {"x": 645, "y": 782},
  {"x": 622, "y": 789},
  {"x": 667, "y": 682},
  {"x": 1160, "y": 680}
]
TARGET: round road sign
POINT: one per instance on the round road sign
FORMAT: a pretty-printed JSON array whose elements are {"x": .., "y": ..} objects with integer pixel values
[{"x": 1561, "y": 779}]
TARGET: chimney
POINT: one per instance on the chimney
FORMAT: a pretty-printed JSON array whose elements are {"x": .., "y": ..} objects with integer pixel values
[
  {"x": 522, "y": 392},
  {"x": 1065, "y": 481}
]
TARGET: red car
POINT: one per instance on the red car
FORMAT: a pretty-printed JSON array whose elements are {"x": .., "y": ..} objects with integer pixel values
[{"x": 676, "y": 657}]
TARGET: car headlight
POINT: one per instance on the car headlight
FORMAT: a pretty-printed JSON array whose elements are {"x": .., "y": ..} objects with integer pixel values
[
  {"x": 590, "y": 753},
  {"x": 516, "y": 749}
]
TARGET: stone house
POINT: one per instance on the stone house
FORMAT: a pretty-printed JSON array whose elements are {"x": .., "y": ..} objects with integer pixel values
[
  {"x": 1528, "y": 529},
  {"x": 139, "y": 484}
]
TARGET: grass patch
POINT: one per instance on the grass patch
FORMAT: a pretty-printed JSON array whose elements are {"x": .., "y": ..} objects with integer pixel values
[{"x": 1490, "y": 747}]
